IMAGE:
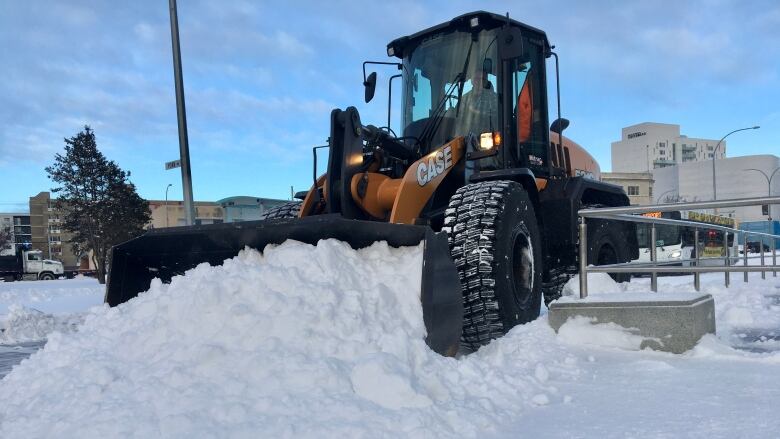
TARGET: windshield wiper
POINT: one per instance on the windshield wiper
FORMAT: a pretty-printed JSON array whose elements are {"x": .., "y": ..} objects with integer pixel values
[
  {"x": 463, "y": 78},
  {"x": 436, "y": 118}
]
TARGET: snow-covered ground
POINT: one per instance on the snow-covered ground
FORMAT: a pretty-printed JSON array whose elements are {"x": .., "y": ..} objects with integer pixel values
[
  {"x": 30, "y": 310},
  {"x": 327, "y": 342}
]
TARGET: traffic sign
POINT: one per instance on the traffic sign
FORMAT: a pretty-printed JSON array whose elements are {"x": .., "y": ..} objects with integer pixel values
[{"x": 172, "y": 165}]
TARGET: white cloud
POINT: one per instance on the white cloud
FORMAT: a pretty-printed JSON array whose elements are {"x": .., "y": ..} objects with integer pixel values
[
  {"x": 290, "y": 45},
  {"x": 145, "y": 31}
]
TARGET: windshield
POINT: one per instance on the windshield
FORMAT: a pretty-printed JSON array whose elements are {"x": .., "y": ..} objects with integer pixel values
[
  {"x": 664, "y": 235},
  {"x": 434, "y": 87}
]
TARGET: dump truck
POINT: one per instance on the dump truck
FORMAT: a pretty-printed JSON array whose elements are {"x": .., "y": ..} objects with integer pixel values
[
  {"x": 478, "y": 174},
  {"x": 29, "y": 265}
]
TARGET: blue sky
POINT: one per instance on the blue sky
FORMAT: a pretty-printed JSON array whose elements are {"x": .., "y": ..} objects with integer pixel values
[{"x": 262, "y": 76}]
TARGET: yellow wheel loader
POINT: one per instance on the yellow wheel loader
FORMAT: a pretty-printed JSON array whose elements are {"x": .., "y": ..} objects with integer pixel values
[{"x": 478, "y": 174}]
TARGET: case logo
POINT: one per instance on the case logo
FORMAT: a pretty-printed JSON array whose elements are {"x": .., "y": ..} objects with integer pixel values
[{"x": 437, "y": 163}]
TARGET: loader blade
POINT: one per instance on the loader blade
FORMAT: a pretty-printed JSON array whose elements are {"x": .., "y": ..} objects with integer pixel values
[{"x": 164, "y": 253}]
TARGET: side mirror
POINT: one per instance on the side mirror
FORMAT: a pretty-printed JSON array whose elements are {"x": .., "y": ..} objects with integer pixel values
[
  {"x": 487, "y": 66},
  {"x": 559, "y": 125},
  {"x": 370, "y": 85},
  {"x": 487, "y": 69}
]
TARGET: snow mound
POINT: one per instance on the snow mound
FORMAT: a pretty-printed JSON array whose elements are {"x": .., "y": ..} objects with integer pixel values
[
  {"x": 582, "y": 330},
  {"x": 53, "y": 297},
  {"x": 301, "y": 341},
  {"x": 24, "y": 324},
  {"x": 598, "y": 283}
]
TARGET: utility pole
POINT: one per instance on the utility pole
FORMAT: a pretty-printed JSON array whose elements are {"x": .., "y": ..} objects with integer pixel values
[
  {"x": 769, "y": 183},
  {"x": 184, "y": 146}
]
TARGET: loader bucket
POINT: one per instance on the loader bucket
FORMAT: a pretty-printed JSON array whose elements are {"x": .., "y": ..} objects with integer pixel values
[{"x": 164, "y": 253}]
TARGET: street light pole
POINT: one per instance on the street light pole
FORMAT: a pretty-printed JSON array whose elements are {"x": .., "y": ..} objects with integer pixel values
[
  {"x": 768, "y": 181},
  {"x": 181, "y": 113},
  {"x": 715, "y": 152},
  {"x": 166, "y": 203},
  {"x": 662, "y": 195}
]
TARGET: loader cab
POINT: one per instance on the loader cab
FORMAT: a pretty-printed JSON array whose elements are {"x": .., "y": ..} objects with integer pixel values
[{"x": 482, "y": 76}]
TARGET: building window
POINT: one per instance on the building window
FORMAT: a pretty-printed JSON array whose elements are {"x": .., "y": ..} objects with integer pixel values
[
  {"x": 650, "y": 191},
  {"x": 662, "y": 144},
  {"x": 662, "y": 152},
  {"x": 709, "y": 156},
  {"x": 710, "y": 148},
  {"x": 633, "y": 190}
]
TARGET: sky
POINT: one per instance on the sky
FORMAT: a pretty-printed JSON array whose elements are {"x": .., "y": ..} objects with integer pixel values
[{"x": 261, "y": 78}]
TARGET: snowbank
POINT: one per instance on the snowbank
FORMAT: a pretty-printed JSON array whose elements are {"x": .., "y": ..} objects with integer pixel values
[
  {"x": 300, "y": 341},
  {"x": 52, "y": 297},
  {"x": 27, "y": 324},
  {"x": 30, "y": 310}
]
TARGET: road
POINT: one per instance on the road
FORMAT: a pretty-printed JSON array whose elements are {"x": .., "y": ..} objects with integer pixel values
[{"x": 11, "y": 355}]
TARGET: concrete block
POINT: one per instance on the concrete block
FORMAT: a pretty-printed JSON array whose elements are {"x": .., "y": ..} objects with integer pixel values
[{"x": 671, "y": 323}]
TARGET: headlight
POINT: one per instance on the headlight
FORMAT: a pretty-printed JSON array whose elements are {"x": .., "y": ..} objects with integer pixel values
[
  {"x": 486, "y": 140},
  {"x": 489, "y": 140},
  {"x": 675, "y": 254}
]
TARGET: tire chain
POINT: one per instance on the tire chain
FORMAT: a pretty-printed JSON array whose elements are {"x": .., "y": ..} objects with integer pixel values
[{"x": 470, "y": 223}]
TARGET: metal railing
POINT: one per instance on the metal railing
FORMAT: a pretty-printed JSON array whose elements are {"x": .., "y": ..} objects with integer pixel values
[{"x": 631, "y": 214}]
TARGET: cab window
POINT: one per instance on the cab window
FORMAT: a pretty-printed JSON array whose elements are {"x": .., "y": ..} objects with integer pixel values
[{"x": 526, "y": 75}]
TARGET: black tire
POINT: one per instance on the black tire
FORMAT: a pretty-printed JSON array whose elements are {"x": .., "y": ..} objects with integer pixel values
[
  {"x": 287, "y": 210},
  {"x": 608, "y": 243},
  {"x": 46, "y": 276},
  {"x": 491, "y": 226}
]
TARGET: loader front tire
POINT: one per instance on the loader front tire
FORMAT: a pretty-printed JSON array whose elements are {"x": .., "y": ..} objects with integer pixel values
[
  {"x": 287, "y": 210},
  {"x": 495, "y": 244}
]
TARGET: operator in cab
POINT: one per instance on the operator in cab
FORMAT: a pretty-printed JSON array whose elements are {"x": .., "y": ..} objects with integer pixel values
[
  {"x": 478, "y": 112},
  {"x": 480, "y": 104}
]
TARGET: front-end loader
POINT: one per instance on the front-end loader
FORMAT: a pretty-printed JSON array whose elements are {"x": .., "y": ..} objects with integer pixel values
[{"x": 478, "y": 174}]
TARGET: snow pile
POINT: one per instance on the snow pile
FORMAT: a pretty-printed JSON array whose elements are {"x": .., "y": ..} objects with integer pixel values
[
  {"x": 581, "y": 330},
  {"x": 598, "y": 284},
  {"x": 30, "y": 310},
  {"x": 53, "y": 297},
  {"x": 301, "y": 341},
  {"x": 26, "y": 324}
]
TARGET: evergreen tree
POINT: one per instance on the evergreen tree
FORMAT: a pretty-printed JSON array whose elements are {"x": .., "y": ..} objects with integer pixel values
[
  {"x": 101, "y": 206},
  {"x": 5, "y": 239}
]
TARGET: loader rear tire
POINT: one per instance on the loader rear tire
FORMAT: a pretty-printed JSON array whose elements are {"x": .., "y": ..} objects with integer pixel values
[
  {"x": 608, "y": 244},
  {"x": 495, "y": 244},
  {"x": 287, "y": 210}
]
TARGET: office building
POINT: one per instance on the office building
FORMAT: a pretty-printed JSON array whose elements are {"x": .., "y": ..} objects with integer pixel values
[{"x": 648, "y": 146}]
